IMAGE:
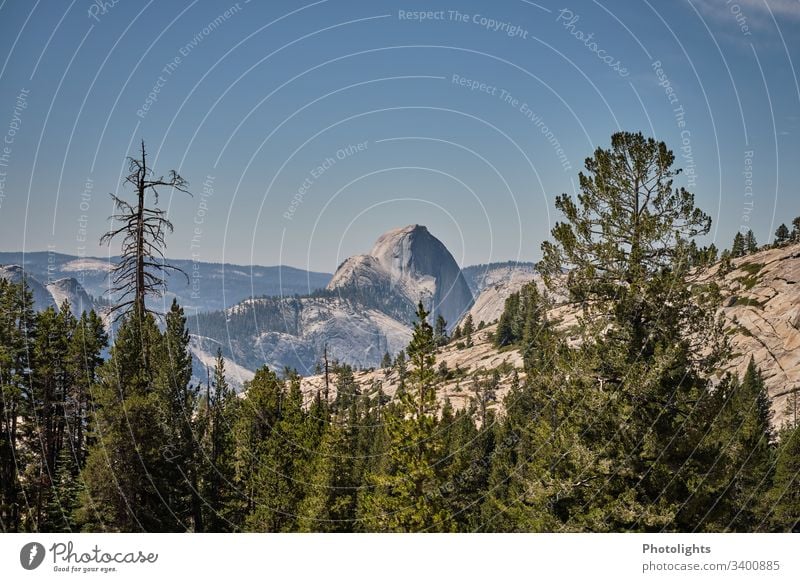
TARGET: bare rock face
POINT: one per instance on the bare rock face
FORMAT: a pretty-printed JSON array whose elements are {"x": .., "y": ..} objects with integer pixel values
[
  {"x": 41, "y": 296},
  {"x": 407, "y": 265},
  {"x": 69, "y": 289},
  {"x": 52, "y": 294},
  {"x": 490, "y": 303},
  {"x": 762, "y": 310}
]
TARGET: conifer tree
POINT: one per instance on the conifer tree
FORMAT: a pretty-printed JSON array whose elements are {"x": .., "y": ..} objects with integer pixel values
[
  {"x": 505, "y": 335},
  {"x": 331, "y": 494},
  {"x": 50, "y": 384},
  {"x": 281, "y": 474},
  {"x": 177, "y": 402},
  {"x": 747, "y": 453},
  {"x": 218, "y": 474},
  {"x": 467, "y": 330},
  {"x": 644, "y": 322},
  {"x": 783, "y": 499},
  {"x": 126, "y": 465},
  {"x": 17, "y": 328},
  {"x": 440, "y": 331},
  {"x": 85, "y": 357},
  {"x": 257, "y": 415},
  {"x": 781, "y": 235},
  {"x": 403, "y": 499},
  {"x": 750, "y": 243},
  {"x": 739, "y": 248},
  {"x": 142, "y": 266}
]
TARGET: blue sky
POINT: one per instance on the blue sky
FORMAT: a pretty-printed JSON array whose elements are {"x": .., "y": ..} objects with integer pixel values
[{"x": 308, "y": 129}]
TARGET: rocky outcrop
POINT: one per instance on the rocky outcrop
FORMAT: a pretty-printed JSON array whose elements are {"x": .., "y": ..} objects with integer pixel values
[
  {"x": 490, "y": 303},
  {"x": 762, "y": 309},
  {"x": 68, "y": 289},
  {"x": 42, "y": 299},
  {"x": 408, "y": 264},
  {"x": 482, "y": 277}
]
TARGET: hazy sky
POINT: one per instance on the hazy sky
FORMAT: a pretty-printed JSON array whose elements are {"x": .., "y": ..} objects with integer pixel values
[{"x": 308, "y": 129}]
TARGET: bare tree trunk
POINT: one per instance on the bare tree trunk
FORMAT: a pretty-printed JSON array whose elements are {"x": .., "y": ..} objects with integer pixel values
[{"x": 140, "y": 288}]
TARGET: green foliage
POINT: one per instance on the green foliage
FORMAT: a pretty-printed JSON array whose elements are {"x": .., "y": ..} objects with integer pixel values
[
  {"x": 467, "y": 329},
  {"x": 782, "y": 235},
  {"x": 750, "y": 243},
  {"x": 440, "y": 331},
  {"x": 739, "y": 248},
  {"x": 403, "y": 498},
  {"x": 783, "y": 499}
]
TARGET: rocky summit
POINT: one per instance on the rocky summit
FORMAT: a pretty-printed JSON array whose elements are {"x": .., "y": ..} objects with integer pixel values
[{"x": 408, "y": 265}]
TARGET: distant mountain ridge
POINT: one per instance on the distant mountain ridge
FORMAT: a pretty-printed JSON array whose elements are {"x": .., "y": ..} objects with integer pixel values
[{"x": 211, "y": 286}]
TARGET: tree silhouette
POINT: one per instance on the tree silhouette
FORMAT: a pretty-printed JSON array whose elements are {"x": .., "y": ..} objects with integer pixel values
[{"x": 142, "y": 266}]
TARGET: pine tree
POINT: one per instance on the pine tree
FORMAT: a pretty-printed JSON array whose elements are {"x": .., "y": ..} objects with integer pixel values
[
  {"x": 404, "y": 497},
  {"x": 739, "y": 248},
  {"x": 783, "y": 499},
  {"x": 467, "y": 330},
  {"x": 257, "y": 415},
  {"x": 644, "y": 325},
  {"x": 347, "y": 388},
  {"x": 750, "y": 243},
  {"x": 330, "y": 501},
  {"x": 440, "y": 331},
  {"x": 65, "y": 496},
  {"x": 84, "y": 359},
  {"x": 177, "y": 402},
  {"x": 749, "y": 451},
  {"x": 505, "y": 334},
  {"x": 796, "y": 229},
  {"x": 402, "y": 370},
  {"x": 142, "y": 266},
  {"x": 127, "y": 464},
  {"x": 50, "y": 385},
  {"x": 218, "y": 473},
  {"x": 781, "y": 235},
  {"x": 17, "y": 329},
  {"x": 282, "y": 471},
  {"x": 725, "y": 264}
]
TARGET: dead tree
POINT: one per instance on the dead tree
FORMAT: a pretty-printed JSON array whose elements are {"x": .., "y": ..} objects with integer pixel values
[{"x": 142, "y": 267}]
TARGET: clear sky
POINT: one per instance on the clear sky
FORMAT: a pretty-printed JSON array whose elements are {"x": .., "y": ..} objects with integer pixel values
[{"x": 308, "y": 129}]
